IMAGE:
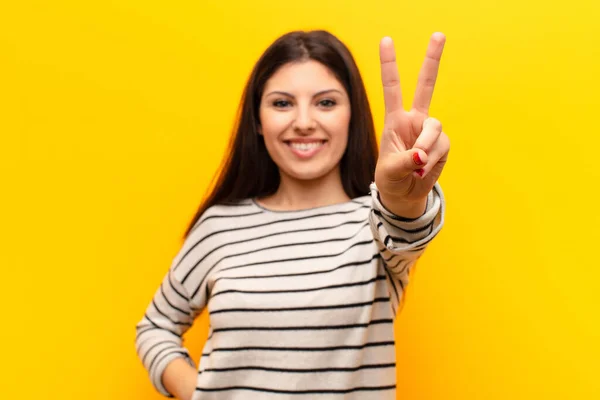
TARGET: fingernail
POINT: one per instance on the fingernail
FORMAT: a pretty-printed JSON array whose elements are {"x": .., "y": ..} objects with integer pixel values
[
  {"x": 417, "y": 159},
  {"x": 421, "y": 172}
]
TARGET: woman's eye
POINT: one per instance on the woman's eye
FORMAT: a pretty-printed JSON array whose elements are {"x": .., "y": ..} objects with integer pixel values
[
  {"x": 327, "y": 103},
  {"x": 281, "y": 103}
]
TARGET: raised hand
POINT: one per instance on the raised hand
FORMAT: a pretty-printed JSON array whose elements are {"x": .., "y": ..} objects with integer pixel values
[{"x": 413, "y": 148}]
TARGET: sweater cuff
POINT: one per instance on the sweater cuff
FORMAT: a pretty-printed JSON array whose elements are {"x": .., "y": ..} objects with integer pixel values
[
  {"x": 415, "y": 231},
  {"x": 160, "y": 367}
]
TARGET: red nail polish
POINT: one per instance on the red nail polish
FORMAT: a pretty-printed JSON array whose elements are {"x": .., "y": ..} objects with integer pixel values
[
  {"x": 417, "y": 159},
  {"x": 421, "y": 172}
]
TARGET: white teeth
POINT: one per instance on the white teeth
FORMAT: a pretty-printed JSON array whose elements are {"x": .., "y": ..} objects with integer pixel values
[{"x": 306, "y": 146}]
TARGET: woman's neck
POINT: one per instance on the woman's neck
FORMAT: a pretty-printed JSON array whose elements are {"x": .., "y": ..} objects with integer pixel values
[{"x": 294, "y": 194}]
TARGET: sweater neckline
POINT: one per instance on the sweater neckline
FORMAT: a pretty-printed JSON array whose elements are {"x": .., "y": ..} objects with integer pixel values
[{"x": 356, "y": 200}]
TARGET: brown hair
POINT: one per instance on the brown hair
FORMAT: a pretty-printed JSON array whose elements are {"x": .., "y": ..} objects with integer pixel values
[{"x": 247, "y": 170}]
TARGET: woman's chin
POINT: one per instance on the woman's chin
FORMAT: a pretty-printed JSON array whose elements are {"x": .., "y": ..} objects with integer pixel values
[{"x": 307, "y": 174}]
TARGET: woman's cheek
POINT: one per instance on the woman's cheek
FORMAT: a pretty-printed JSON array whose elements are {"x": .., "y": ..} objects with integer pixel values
[
  {"x": 279, "y": 120},
  {"x": 337, "y": 125},
  {"x": 337, "y": 120}
]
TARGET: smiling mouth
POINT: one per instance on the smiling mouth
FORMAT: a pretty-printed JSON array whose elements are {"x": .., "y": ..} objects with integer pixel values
[
  {"x": 305, "y": 149},
  {"x": 305, "y": 146}
]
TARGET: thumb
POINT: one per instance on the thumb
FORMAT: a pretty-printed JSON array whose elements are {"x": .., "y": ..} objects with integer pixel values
[{"x": 408, "y": 161}]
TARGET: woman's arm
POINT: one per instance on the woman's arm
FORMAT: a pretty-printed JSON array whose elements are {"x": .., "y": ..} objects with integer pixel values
[
  {"x": 179, "y": 379},
  {"x": 402, "y": 240},
  {"x": 180, "y": 298},
  {"x": 159, "y": 334},
  {"x": 412, "y": 156}
]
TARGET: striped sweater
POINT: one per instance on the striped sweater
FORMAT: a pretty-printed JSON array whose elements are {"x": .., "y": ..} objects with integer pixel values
[{"x": 301, "y": 303}]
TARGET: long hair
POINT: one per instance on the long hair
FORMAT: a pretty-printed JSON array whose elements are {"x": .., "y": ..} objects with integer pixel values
[{"x": 247, "y": 170}]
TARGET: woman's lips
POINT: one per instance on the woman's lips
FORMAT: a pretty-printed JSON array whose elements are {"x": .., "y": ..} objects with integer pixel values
[{"x": 305, "y": 149}]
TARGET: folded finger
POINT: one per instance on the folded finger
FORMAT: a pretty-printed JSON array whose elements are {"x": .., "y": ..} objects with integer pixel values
[
  {"x": 438, "y": 152},
  {"x": 432, "y": 129}
]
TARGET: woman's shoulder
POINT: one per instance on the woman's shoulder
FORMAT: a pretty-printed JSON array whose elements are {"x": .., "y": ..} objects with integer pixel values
[
  {"x": 233, "y": 209},
  {"x": 218, "y": 214}
]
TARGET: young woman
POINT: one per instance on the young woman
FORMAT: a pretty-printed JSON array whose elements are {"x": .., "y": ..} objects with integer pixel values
[{"x": 300, "y": 258}]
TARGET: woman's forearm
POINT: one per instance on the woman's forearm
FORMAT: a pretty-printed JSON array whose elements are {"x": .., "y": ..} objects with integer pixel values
[{"x": 179, "y": 379}]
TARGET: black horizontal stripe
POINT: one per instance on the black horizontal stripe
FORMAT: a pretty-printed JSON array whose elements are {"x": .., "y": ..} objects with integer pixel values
[
  {"x": 405, "y": 219},
  {"x": 414, "y": 230},
  {"x": 266, "y": 262},
  {"x": 141, "y": 330},
  {"x": 183, "y": 353},
  {"x": 184, "y": 297},
  {"x": 402, "y": 219},
  {"x": 300, "y": 349},
  {"x": 160, "y": 327},
  {"x": 174, "y": 288},
  {"x": 392, "y": 269},
  {"x": 363, "y": 203},
  {"x": 251, "y": 227},
  {"x": 299, "y": 258},
  {"x": 152, "y": 328},
  {"x": 140, "y": 343},
  {"x": 304, "y": 327},
  {"x": 400, "y": 261},
  {"x": 171, "y": 343},
  {"x": 231, "y": 215},
  {"x": 172, "y": 349},
  {"x": 292, "y": 244},
  {"x": 315, "y": 391},
  {"x": 208, "y": 217},
  {"x": 386, "y": 250},
  {"x": 344, "y": 285},
  {"x": 173, "y": 306},
  {"x": 205, "y": 216},
  {"x": 314, "y": 308},
  {"x": 167, "y": 316},
  {"x": 405, "y": 241},
  {"x": 299, "y": 370},
  {"x": 352, "y": 264}
]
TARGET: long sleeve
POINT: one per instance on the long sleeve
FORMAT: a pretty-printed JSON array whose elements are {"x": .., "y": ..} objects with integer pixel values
[
  {"x": 401, "y": 241},
  {"x": 169, "y": 315}
]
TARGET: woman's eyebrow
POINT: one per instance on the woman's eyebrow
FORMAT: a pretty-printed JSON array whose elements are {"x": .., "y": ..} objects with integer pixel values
[{"x": 315, "y": 95}]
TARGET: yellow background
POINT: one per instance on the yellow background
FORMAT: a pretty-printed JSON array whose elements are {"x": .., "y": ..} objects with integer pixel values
[{"x": 115, "y": 115}]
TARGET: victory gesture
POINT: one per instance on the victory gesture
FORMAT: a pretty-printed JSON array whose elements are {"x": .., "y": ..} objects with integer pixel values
[{"x": 413, "y": 148}]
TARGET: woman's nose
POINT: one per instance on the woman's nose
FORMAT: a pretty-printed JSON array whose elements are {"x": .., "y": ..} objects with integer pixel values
[{"x": 304, "y": 121}]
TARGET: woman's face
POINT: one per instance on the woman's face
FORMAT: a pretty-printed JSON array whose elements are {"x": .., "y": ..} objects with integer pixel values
[{"x": 304, "y": 116}]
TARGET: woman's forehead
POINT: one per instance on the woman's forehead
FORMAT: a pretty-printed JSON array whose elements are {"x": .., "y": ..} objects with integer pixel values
[{"x": 303, "y": 77}]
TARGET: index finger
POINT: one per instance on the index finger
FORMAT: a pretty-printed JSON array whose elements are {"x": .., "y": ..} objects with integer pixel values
[
  {"x": 428, "y": 73},
  {"x": 392, "y": 94}
]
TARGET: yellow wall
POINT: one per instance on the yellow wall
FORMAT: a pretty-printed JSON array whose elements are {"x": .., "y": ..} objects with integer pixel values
[{"x": 114, "y": 116}]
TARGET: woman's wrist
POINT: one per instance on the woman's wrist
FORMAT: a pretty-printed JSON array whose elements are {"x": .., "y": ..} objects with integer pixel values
[{"x": 403, "y": 208}]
